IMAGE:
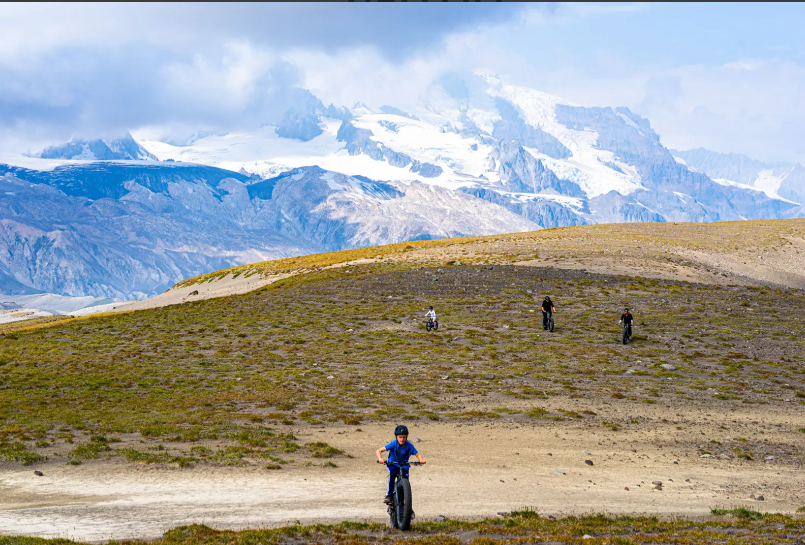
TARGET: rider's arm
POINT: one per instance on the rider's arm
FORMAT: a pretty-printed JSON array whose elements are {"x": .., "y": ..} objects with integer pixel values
[
  {"x": 380, "y": 451},
  {"x": 420, "y": 458}
]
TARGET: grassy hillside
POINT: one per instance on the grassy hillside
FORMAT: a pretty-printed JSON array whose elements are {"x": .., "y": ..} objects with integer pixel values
[
  {"x": 703, "y": 251},
  {"x": 227, "y": 380},
  {"x": 733, "y": 527}
]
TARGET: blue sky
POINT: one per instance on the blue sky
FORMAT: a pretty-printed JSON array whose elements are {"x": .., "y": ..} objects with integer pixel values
[{"x": 728, "y": 77}]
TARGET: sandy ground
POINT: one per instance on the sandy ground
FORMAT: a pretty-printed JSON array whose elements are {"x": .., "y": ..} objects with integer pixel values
[
  {"x": 473, "y": 470},
  {"x": 197, "y": 292}
]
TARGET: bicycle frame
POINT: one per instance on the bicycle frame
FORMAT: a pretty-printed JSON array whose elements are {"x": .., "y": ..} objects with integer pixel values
[{"x": 400, "y": 510}]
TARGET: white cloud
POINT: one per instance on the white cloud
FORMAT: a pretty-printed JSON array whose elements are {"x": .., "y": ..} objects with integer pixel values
[{"x": 97, "y": 68}]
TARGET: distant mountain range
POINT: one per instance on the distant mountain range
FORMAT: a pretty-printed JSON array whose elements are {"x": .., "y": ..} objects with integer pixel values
[
  {"x": 124, "y": 148},
  {"x": 127, "y": 218}
]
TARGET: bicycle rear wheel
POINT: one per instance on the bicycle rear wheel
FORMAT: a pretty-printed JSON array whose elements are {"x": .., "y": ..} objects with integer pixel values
[{"x": 403, "y": 504}]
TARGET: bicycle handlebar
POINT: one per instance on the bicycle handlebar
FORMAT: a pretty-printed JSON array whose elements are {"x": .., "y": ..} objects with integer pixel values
[{"x": 399, "y": 464}]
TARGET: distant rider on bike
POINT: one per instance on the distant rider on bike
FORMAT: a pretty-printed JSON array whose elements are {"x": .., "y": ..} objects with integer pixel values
[
  {"x": 547, "y": 306},
  {"x": 399, "y": 451},
  {"x": 628, "y": 319},
  {"x": 431, "y": 314}
]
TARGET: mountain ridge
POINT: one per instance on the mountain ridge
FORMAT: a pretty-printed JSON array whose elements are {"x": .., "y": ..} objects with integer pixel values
[{"x": 499, "y": 158}]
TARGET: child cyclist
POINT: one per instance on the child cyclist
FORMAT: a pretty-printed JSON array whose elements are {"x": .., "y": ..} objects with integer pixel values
[{"x": 399, "y": 451}]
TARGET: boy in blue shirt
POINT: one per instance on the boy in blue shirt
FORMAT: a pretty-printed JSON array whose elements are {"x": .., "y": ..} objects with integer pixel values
[{"x": 399, "y": 451}]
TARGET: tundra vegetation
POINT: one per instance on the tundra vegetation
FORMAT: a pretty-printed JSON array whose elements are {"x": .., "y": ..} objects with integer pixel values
[{"x": 736, "y": 527}]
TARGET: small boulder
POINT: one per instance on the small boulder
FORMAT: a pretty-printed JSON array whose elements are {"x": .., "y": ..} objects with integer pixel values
[
  {"x": 440, "y": 518},
  {"x": 668, "y": 367},
  {"x": 39, "y": 474},
  {"x": 192, "y": 293},
  {"x": 489, "y": 376},
  {"x": 588, "y": 462}
]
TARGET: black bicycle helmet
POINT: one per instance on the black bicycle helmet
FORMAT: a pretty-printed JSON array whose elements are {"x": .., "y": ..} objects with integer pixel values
[
  {"x": 400, "y": 430},
  {"x": 430, "y": 307},
  {"x": 547, "y": 298}
]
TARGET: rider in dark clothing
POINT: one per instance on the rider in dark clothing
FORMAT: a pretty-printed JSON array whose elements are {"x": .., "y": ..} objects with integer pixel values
[
  {"x": 547, "y": 306},
  {"x": 627, "y": 318}
]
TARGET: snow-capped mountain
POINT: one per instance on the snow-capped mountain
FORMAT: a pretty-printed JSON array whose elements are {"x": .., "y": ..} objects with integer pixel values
[
  {"x": 539, "y": 156},
  {"x": 484, "y": 158},
  {"x": 103, "y": 149},
  {"x": 776, "y": 180}
]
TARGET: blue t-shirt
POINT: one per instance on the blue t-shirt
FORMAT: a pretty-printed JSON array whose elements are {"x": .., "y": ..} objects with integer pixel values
[{"x": 400, "y": 453}]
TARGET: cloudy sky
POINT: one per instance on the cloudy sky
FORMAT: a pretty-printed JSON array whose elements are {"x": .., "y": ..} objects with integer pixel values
[{"x": 729, "y": 77}]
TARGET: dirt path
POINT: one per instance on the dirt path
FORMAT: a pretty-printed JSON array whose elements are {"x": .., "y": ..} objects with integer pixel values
[{"x": 473, "y": 470}]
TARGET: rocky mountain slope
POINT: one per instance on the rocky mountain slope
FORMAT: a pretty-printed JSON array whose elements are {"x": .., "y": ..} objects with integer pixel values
[
  {"x": 482, "y": 157},
  {"x": 130, "y": 230}
]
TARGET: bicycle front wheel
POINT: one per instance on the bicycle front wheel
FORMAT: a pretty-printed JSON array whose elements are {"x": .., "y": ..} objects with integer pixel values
[
  {"x": 625, "y": 336},
  {"x": 404, "y": 504}
]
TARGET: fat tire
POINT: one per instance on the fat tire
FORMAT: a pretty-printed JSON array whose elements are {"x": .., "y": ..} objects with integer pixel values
[
  {"x": 403, "y": 504},
  {"x": 550, "y": 324},
  {"x": 427, "y": 326},
  {"x": 625, "y": 336}
]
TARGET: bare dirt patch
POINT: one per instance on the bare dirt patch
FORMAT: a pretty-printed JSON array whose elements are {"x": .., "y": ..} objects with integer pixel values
[{"x": 473, "y": 471}]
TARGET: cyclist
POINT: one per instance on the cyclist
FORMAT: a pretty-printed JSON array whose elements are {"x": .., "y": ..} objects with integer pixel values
[
  {"x": 628, "y": 319},
  {"x": 431, "y": 314},
  {"x": 399, "y": 451},
  {"x": 547, "y": 306}
]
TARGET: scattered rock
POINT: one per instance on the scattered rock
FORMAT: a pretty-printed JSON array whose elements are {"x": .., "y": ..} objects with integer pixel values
[
  {"x": 587, "y": 452},
  {"x": 416, "y": 439},
  {"x": 440, "y": 518},
  {"x": 626, "y": 488},
  {"x": 445, "y": 377},
  {"x": 630, "y": 371},
  {"x": 588, "y": 462},
  {"x": 192, "y": 293},
  {"x": 329, "y": 377},
  {"x": 760, "y": 498},
  {"x": 561, "y": 472},
  {"x": 503, "y": 513},
  {"x": 489, "y": 376},
  {"x": 586, "y": 536},
  {"x": 39, "y": 474},
  {"x": 440, "y": 271},
  {"x": 769, "y": 457},
  {"x": 668, "y": 367},
  {"x": 656, "y": 483}
]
